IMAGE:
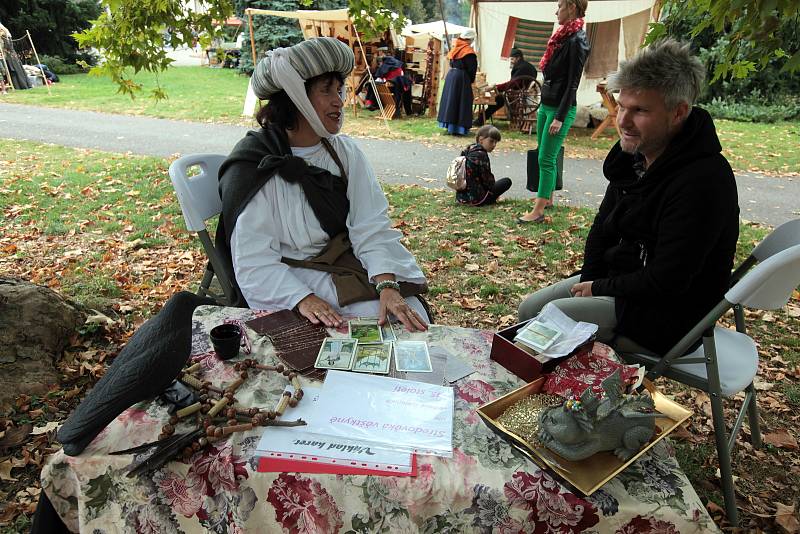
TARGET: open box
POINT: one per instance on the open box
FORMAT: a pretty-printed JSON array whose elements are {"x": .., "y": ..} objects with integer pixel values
[
  {"x": 589, "y": 474},
  {"x": 516, "y": 360}
]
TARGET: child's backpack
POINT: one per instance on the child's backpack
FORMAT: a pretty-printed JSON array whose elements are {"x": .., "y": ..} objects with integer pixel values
[{"x": 457, "y": 174}]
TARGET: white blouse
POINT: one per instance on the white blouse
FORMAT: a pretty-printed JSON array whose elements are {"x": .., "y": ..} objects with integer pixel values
[{"x": 278, "y": 221}]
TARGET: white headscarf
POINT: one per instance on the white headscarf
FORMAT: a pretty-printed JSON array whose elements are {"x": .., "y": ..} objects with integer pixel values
[{"x": 287, "y": 69}]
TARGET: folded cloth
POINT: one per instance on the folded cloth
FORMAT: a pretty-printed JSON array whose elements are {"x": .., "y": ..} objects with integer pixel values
[{"x": 587, "y": 368}]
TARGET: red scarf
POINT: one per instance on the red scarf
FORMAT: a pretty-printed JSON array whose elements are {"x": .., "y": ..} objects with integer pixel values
[{"x": 557, "y": 39}]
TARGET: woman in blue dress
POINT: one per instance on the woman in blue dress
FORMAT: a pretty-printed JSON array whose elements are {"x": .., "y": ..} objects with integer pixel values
[{"x": 455, "y": 107}]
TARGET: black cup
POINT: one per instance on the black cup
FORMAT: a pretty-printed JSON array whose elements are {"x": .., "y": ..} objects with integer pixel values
[{"x": 226, "y": 339}]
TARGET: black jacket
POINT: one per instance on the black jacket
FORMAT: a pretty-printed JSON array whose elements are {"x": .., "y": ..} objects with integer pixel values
[
  {"x": 562, "y": 74},
  {"x": 663, "y": 245}
]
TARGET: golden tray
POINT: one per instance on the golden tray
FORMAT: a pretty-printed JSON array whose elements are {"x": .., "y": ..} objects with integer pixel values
[{"x": 589, "y": 474}]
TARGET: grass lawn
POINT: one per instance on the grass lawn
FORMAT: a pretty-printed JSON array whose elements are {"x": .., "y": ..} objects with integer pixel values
[
  {"x": 106, "y": 230},
  {"x": 217, "y": 95}
]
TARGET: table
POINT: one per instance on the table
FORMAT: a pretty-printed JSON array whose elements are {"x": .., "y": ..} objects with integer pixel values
[
  {"x": 487, "y": 486},
  {"x": 611, "y": 105}
]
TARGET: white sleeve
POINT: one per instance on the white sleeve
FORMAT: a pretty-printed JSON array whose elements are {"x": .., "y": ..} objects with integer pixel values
[
  {"x": 375, "y": 243},
  {"x": 265, "y": 282}
]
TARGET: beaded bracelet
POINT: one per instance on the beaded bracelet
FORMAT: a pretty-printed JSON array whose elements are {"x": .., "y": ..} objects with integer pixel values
[{"x": 380, "y": 286}]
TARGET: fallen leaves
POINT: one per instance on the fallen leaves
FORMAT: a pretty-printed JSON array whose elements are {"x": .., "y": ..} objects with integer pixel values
[
  {"x": 786, "y": 518},
  {"x": 781, "y": 438},
  {"x": 49, "y": 427},
  {"x": 15, "y": 436}
]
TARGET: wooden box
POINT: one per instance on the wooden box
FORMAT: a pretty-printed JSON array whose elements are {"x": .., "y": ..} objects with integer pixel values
[{"x": 516, "y": 360}]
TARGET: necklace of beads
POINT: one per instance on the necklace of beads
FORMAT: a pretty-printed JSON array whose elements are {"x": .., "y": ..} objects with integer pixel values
[{"x": 218, "y": 412}]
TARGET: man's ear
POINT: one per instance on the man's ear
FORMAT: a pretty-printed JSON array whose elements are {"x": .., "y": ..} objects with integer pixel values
[{"x": 680, "y": 112}]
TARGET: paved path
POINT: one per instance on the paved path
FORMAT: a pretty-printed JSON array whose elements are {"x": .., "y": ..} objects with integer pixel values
[{"x": 770, "y": 200}]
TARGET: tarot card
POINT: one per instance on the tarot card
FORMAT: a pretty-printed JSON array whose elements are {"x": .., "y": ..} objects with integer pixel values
[
  {"x": 365, "y": 330},
  {"x": 412, "y": 356},
  {"x": 336, "y": 353},
  {"x": 387, "y": 332},
  {"x": 537, "y": 335},
  {"x": 373, "y": 357}
]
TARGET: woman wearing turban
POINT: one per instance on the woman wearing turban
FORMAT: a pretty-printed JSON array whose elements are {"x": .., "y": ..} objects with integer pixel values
[
  {"x": 303, "y": 216},
  {"x": 455, "y": 106}
]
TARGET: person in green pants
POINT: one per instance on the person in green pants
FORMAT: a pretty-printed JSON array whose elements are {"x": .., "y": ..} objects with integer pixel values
[{"x": 561, "y": 66}]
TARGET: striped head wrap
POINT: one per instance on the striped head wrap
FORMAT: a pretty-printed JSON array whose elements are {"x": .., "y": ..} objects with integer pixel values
[{"x": 286, "y": 69}]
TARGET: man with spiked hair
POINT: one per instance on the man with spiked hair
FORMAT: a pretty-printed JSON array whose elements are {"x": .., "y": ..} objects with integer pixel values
[{"x": 660, "y": 250}]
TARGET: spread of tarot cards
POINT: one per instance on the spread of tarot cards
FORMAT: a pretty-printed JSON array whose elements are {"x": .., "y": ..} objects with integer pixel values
[{"x": 369, "y": 349}]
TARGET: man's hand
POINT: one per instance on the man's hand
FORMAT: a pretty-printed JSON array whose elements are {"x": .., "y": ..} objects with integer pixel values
[
  {"x": 581, "y": 289},
  {"x": 318, "y": 311}
]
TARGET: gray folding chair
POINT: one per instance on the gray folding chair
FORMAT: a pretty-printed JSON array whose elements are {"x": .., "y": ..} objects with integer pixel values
[
  {"x": 781, "y": 238},
  {"x": 198, "y": 195},
  {"x": 727, "y": 361}
]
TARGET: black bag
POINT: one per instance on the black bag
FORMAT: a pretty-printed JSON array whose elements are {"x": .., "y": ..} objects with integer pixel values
[{"x": 533, "y": 170}]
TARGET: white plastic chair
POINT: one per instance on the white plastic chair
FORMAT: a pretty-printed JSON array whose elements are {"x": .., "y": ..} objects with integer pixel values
[
  {"x": 727, "y": 361},
  {"x": 199, "y": 198}
]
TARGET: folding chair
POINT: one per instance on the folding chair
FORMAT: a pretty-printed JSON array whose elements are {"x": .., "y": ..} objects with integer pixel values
[
  {"x": 727, "y": 361},
  {"x": 781, "y": 238},
  {"x": 199, "y": 198}
]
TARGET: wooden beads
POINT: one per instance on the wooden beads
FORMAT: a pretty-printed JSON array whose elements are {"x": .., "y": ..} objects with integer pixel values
[
  {"x": 189, "y": 410},
  {"x": 219, "y": 405},
  {"x": 230, "y": 429}
]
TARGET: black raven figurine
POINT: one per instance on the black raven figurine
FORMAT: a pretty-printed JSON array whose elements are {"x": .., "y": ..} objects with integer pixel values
[{"x": 149, "y": 362}]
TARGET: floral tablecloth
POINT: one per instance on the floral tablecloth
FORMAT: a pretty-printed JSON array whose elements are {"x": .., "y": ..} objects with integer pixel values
[{"x": 485, "y": 487}]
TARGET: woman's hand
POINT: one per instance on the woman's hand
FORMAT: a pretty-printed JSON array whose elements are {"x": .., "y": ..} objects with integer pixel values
[
  {"x": 581, "y": 289},
  {"x": 391, "y": 301},
  {"x": 555, "y": 127},
  {"x": 318, "y": 311}
]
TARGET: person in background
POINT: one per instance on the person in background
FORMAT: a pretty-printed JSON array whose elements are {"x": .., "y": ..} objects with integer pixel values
[
  {"x": 659, "y": 254},
  {"x": 303, "y": 216},
  {"x": 562, "y": 66},
  {"x": 455, "y": 106},
  {"x": 391, "y": 70},
  {"x": 482, "y": 188},
  {"x": 521, "y": 74}
]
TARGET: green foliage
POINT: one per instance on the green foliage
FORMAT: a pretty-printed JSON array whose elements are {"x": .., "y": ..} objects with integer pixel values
[
  {"x": 416, "y": 12},
  {"x": 749, "y": 35},
  {"x": 755, "y": 109},
  {"x": 131, "y": 34},
  {"x": 60, "y": 66},
  {"x": 50, "y": 22},
  {"x": 268, "y": 32}
]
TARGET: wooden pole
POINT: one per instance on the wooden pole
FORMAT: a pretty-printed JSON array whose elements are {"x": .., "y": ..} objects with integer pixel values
[
  {"x": 5, "y": 62},
  {"x": 41, "y": 70},
  {"x": 252, "y": 38},
  {"x": 353, "y": 80},
  {"x": 444, "y": 23},
  {"x": 371, "y": 79}
]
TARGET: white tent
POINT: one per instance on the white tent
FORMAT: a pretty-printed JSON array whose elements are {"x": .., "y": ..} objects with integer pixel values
[
  {"x": 421, "y": 33},
  {"x": 435, "y": 29},
  {"x": 616, "y": 29}
]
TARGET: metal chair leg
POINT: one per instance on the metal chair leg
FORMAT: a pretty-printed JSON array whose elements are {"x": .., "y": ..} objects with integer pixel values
[
  {"x": 752, "y": 417},
  {"x": 205, "y": 284},
  {"x": 724, "y": 457},
  {"x": 720, "y": 428}
]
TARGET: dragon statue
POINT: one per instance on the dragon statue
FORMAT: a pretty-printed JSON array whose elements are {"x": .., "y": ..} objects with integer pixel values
[{"x": 580, "y": 428}]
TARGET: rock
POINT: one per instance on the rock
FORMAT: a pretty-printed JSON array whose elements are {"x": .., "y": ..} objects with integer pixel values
[{"x": 35, "y": 326}]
